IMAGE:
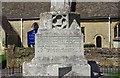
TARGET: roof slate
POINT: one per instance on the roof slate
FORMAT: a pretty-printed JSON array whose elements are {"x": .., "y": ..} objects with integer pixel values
[{"x": 33, "y": 9}]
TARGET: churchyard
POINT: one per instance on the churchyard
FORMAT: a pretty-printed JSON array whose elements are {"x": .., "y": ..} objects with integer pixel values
[
  {"x": 104, "y": 57},
  {"x": 107, "y": 59},
  {"x": 59, "y": 50}
]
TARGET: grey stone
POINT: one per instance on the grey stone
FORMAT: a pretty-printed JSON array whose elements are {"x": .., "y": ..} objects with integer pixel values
[
  {"x": 60, "y": 6},
  {"x": 55, "y": 49},
  {"x": 58, "y": 50}
]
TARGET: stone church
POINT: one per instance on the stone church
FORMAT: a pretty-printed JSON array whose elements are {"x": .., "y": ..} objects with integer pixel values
[{"x": 99, "y": 22}]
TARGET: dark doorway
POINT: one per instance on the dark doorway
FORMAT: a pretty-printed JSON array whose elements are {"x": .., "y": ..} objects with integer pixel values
[{"x": 98, "y": 42}]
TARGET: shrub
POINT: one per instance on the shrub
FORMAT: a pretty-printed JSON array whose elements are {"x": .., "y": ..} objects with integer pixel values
[
  {"x": 89, "y": 45},
  {"x": 3, "y": 60},
  {"x": 2, "y": 57}
]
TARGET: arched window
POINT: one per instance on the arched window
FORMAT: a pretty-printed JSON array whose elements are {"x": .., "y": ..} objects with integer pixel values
[
  {"x": 35, "y": 25},
  {"x": 98, "y": 41},
  {"x": 117, "y": 31}
]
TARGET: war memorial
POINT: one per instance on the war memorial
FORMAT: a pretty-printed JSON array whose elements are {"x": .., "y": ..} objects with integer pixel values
[{"x": 58, "y": 45}]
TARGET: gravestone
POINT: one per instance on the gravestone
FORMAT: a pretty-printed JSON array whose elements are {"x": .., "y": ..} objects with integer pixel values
[{"x": 59, "y": 47}]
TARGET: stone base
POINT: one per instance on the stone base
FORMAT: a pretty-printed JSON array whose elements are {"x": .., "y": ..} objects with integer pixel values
[
  {"x": 58, "y": 53},
  {"x": 62, "y": 70}
]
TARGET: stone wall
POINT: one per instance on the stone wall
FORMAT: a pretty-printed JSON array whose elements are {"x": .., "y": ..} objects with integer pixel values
[
  {"x": 95, "y": 29},
  {"x": 86, "y": 9},
  {"x": 92, "y": 30},
  {"x": 13, "y": 31},
  {"x": 104, "y": 57},
  {"x": 16, "y": 56},
  {"x": 27, "y": 26}
]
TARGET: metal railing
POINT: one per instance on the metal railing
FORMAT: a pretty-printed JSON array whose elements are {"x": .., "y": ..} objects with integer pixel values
[{"x": 12, "y": 71}]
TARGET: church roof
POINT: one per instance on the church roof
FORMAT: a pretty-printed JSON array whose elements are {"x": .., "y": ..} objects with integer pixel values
[{"x": 33, "y": 9}]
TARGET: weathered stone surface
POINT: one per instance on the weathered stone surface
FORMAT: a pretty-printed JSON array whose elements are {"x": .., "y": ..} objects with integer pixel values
[
  {"x": 60, "y": 6},
  {"x": 58, "y": 50},
  {"x": 55, "y": 49},
  {"x": 87, "y": 9}
]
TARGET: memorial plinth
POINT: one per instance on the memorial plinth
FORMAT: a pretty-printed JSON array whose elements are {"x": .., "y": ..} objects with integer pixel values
[
  {"x": 55, "y": 49},
  {"x": 59, "y": 47}
]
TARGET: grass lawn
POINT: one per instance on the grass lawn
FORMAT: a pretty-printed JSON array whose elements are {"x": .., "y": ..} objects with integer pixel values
[
  {"x": 117, "y": 74},
  {"x": 3, "y": 60}
]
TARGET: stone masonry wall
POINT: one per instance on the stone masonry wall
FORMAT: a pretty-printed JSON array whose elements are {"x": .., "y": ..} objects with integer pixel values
[{"x": 104, "y": 57}]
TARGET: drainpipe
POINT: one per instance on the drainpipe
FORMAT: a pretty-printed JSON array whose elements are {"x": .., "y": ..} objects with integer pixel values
[
  {"x": 117, "y": 31},
  {"x": 109, "y": 24},
  {"x": 21, "y": 31}
]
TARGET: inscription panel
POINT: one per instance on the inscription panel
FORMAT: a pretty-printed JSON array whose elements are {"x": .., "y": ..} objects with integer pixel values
[
  {"x": 53, "y": 41},
  {"x": 59, "y": 44}
]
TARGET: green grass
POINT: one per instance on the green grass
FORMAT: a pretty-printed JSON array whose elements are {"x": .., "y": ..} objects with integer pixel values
[
  {"x": 117, "y": 74},
  {"x": 3, "y": 60},
  {"x": 2, "y": 57}
]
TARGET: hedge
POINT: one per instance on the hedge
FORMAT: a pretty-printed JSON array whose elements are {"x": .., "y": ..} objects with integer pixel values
[{"x": 89, "y": 45}]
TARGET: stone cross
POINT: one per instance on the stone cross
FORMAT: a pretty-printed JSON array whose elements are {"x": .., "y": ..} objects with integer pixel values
[{"x": 60, "y": 6}]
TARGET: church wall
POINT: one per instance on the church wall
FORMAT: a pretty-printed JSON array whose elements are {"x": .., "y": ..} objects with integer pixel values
[
  {"x": 114, "y": 43},
  {"x": 27, "y": 26},
  {"x": 16, "y": 26},
  {"x": 86, "y": 9},
  {"x": 2, "y": 40},
  {"x": 94, "y": 29},
  {"x": 113, "y": 24}
]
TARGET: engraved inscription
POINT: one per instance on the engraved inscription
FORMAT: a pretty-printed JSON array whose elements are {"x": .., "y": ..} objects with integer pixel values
[{"x": 61, "y": 44}]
